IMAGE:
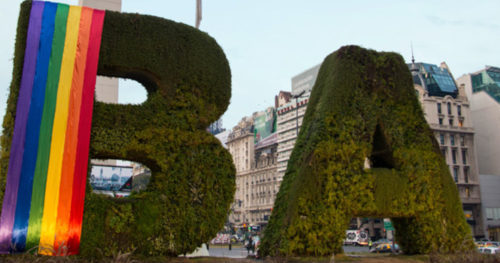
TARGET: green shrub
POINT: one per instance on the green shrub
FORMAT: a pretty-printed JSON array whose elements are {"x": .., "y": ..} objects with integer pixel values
[
  {"x": 188, "y": 81},
  {"x": 363, "y": 105}
]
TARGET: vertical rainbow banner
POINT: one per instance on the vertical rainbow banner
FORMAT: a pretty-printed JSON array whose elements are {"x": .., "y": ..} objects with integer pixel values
[{"x": 46, "y": 178}]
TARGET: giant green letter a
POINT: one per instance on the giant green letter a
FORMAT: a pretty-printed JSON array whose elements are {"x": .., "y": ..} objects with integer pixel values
[{"x": 363, "y": 107}]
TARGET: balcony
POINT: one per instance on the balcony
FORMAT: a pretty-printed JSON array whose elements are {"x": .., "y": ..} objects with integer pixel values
[
  {"x": 439, "y": 127},
  {"x": 289, "y": 116},
  {"x": 470, "y": 200}
]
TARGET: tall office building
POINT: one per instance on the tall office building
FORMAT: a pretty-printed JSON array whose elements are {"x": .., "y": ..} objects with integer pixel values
[
  {"x": 291, "y": 108},
  {"x": 447, "y": 111},
  {"x": 106, "y": 88},
  {"x": 483, "y": 90}
]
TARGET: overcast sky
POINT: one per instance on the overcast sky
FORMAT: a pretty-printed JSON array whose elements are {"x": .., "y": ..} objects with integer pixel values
[{"x": 269, "y": 42}]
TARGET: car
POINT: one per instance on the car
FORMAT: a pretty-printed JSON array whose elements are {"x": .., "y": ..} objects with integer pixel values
[
  {"x": 481, "y": 244},
  {"x": 380, "y": 241},
  {"x": 385, "y": 247},
  {"x": 489, "y": 250},
  {"x": 492, "y": 244}
]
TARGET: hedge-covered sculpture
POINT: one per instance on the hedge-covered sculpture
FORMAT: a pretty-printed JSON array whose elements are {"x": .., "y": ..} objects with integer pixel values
[
  {"x": 188, "y": 80},
  {"x": 363, "y": 105}
]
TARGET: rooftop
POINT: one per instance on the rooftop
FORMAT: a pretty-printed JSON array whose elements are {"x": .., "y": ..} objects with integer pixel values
[{"x": 437, "y": 81}]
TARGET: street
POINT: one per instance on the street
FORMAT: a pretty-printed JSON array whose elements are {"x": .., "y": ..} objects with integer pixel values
[{"x": 239, "y": 252}]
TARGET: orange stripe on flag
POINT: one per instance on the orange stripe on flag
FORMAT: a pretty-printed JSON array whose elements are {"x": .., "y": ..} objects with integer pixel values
[
  {"x": 75, "y": 103},
  {"x": 82, "y": 153}
]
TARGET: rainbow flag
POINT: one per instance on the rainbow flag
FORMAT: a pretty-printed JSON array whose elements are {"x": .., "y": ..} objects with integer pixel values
[{"x": 46, "y": 178}]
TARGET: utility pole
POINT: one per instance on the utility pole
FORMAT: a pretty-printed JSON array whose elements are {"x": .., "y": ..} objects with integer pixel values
[{"x": 198, "y": 13}]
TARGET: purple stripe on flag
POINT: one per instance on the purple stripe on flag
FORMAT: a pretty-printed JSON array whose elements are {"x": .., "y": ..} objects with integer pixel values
[{"x": 18, "y": 138}]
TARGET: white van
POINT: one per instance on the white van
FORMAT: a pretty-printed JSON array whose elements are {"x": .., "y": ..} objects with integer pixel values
[{"x": 489, "y": 250}]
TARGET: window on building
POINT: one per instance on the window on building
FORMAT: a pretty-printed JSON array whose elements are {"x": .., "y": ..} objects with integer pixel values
[
  {"x": 440, "y": 121},
  {"x": 460, "y": 123},
  {"x": 455, "y": 174},
  {"x": 450, "y": 121},
  {"x": 439, "y": 108},
  {"x": 454, "y": 156},
  {"x": 462, "y": 140},
  {"x": 449, "y": 108},
  {"x": 489, "y": 213},
  {"x": 467, "y": 192},
  {"x": 452, "y": 139},
  {"x": 459, "y": 110},
  {"x": 493, "y": 213},
  {"x": 466, "y": 174},
  {"x": 441, "y": 138},
  {"x": 443, "y": 152},
  {"x": 464, "y": 156}
]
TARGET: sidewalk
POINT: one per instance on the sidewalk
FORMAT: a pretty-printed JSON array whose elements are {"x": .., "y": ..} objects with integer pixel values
[{"x": 226, "y": 253}]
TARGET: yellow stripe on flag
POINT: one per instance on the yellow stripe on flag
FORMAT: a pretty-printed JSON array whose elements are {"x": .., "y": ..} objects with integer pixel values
[{"x": 49, "y": 219}]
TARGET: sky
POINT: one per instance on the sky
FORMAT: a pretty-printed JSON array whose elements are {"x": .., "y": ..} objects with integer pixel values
[{"x": 269, "y": 42}]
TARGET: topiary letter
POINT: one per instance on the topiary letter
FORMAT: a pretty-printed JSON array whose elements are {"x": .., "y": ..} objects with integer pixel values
[
  {"x": 188, "y": 80},
  {"x": 363, "y": 105}
]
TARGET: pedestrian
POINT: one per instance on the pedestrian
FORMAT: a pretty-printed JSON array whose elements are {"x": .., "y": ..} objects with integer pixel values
[
  {"x": 370, "y": 244},
  {"x": 250, "y": 245}
]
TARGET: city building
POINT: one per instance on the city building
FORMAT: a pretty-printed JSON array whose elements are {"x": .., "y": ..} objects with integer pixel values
[
  {"x": 448, "y": 113},
  {"x": 483, "y": 90},
  {"x": 216, "y": 127},
  {"x": 253, "y": 146},
  {"x": 223, "y": 137},
  {"x": 289, "y": 118},
  {"x": 490, "y": 197}
]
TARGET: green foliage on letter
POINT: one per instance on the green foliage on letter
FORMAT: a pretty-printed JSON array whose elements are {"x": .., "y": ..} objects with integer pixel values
[
  {"x": 363, "y": 105},
  {"x": 188, "y": 81}
]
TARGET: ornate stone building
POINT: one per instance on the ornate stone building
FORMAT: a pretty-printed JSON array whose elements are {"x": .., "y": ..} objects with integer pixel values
[
  {"x": 256, "y": 180},
  {"x": 447, "y": 111}
]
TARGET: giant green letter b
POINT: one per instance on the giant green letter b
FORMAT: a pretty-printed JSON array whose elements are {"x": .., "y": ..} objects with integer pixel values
[{"x": 188, "y": 81}]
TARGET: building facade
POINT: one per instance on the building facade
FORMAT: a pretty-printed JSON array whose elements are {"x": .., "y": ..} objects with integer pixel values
[
  {"x": 447, "y": 111},
  {"x": 490, "y": 196},
  {"x": 291, "y": 108},
  {"x": 483, "y": 90},
  {"x": 288, "y": 126},
  {"x": 256, "y": 180}
]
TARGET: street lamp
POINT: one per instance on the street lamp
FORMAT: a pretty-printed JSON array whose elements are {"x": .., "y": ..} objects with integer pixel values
[{"x": 296, "y": 97}]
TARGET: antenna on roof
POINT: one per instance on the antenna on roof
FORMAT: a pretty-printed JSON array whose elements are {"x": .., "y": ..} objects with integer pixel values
[{"x": 412, "y": 57}]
